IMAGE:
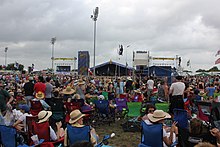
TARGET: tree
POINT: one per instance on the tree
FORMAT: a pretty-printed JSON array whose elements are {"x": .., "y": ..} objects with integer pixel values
[
  {"x": 201, "y": 70},
  {"x": 12, "y": 66},
  {"x": 214, "y": 68}
]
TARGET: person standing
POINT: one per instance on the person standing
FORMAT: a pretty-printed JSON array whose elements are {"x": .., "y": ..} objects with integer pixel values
[
  {"x": 150, "y": 87},
  {"x": 29, "y": 91},
  {"x": 5, "y": 99},
  {"x": 176, "y": 92},
  {"x": 40, "y": 86},
  {"x": 48, "y": 91}
]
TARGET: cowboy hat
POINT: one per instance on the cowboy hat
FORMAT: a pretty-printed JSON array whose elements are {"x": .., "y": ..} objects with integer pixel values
[
  {"x": 158, "y": 115},
  {"x": 101, "y": 97},
  {"x": 75, "y": 116},
  {"x": 43, "y": 116},
  {"x": 137, "y": 91},
  {"x": 81, "y": 82},
  {"x": 68, "y": 90},
  {"x": 40, "y": 95}
]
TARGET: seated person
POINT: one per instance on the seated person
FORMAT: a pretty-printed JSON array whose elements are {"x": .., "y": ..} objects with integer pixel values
[
  {"x": 197, "y": 129},
  {"x": 159, "y": 116},
  {"x": 20, "y": 124},
  {"x": 150, "y": 108},
  {"x": 138, "y": 97},
  {"x": 76, "y": 120},
  {"x": 43, "y": 120}
]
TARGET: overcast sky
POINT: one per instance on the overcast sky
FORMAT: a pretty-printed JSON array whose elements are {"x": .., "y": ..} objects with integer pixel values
[{"x": 166, "y": 28}]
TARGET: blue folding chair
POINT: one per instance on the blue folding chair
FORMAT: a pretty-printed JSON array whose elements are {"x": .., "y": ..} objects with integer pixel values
[
  {"x": 77, "y": 134},
  {"x": 150, "y": 135},
  {"x": 102, "y": 106},
  {"x": 8, "y": 136},
  {"x": 180, "y": 116}
]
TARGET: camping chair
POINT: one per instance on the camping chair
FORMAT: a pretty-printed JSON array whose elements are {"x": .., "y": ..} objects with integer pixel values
[
  {"x": 121, "y": 106},
  {"x": 204, "y": 111},
  {"x": 58, "y": 110},
  {"x": 105, "y": 94},
  {"x": 8, "y": 136},
  {"x": 150, "y": 135},
  {"x": 103, "y": 111},
  {"x": 162, "y": 106},
  {"x": 215, "y": 114},
  {"x": 134, "y": 109},
  {"x": 29, "y": 128},
  {"x": 43, "y": 132},
  {"x": 132, "y": 123},
  {"x": 70, "y": 106},
  {"x": 77, "y": 134},
  {"x": 36, "y": 107}
]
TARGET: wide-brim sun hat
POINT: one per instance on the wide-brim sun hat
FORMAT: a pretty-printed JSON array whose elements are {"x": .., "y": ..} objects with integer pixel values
[
  {"x": 68, "y": 90},
  {"x": 40, "y": 95},
  {"x": 75, "y": 116},
  {"x": 158, "y": 115},
  {"x": 44, "y": 116},
  {"x": 137, "y": 91},
  {"x": 101, "y": 97},
  {"x": 81, "y": 82}
]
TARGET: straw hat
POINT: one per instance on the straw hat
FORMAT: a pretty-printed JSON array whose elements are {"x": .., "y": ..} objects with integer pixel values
[
  {"x": 19, "y": 91},
  {"x": 101, "y": 97},
  {"x": 68, "y": 90},
  {"x": 129, "y": 78},
  {"x": 158, "y": 115},
  {"x": 40, "y": 95},
  {"x": 81, "y": 82},
  {"x": 44, "y": 116},
  {"x": 75, "y": 116},
  {"x": 137, "y": 91}
]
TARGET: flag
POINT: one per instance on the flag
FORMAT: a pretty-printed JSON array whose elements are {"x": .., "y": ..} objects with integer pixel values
[
  {"x": 120, "y": 50},
  {"x": 217, "y": 61},
  {"x": 218, "y": 53},
  {"x": 188, "y": 63}
]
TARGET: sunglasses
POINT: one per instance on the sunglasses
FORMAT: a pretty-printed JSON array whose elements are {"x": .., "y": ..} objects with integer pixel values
[{"x": 151, "y": 111}]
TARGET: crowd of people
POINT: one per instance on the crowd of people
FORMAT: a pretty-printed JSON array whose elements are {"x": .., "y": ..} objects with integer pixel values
[{"x": 19, "y": 91}]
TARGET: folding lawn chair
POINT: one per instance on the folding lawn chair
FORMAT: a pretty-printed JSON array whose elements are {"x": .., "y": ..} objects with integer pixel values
[
  {"x": 150, "y": 135},
  {"x": 162, "y": 106},
  {"x": 204, "y": 111},
  {"x": 134, "y": 109},
  {"x": 77, "y": 134},
  {"x": 121, "y": 105},
  {"x": 29, "y": 128},
  {"x": 103, "y": 111},
  {"x": 8, "y": 136},
  {"x": 43, "y": 132},
  {"x": 36, "y": 107},
  {"x": 105, "y": 94},
  {"x": 70, "y": 106}
]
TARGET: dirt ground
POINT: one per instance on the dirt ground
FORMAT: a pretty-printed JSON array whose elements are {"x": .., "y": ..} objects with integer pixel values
[{"x": 121, "y": 139}]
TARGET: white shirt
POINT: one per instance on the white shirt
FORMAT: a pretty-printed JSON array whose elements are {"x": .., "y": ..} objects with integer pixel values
[
  {"x": 150, "y": 84},
  {"x": 23, "y": 119},
  {"x": 53, "y": 135},
  {"x": 177, "y": 88}
]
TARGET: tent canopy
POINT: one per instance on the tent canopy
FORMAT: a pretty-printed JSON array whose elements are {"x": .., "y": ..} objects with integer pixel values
[{"x": 112, "y": 68}]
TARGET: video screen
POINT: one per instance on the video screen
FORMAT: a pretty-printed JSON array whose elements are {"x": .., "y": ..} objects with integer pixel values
[{"x": 63, "y": 69}]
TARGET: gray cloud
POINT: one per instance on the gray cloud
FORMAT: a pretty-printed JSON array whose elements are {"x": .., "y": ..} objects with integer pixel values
[{"x": 167, "y": 28}]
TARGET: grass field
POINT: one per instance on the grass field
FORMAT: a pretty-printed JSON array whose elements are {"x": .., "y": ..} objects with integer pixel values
[{"x": 121, "y": 139}]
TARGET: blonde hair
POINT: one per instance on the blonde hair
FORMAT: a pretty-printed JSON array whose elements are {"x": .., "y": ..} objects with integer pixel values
[
  {"x": 76, "y": 96},
  {"x": 204, "y": 144}
]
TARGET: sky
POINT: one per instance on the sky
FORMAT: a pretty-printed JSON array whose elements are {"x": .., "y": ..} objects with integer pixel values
[{"x": 165, "y": 28}]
